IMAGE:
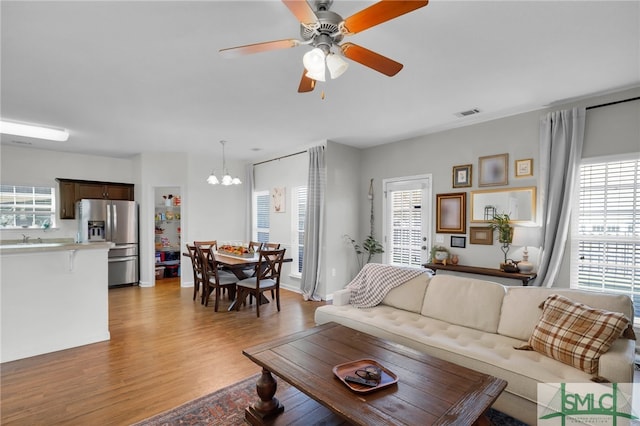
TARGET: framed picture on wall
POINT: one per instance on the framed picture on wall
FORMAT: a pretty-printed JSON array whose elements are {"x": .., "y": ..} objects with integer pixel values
[
  {"x": 451, "y": 210},
  {"x": 460, "y": 242},
  {"x": 481, "y": 235},
  {"x": 494, "y": 170},
  {"x": 524, "y": 167},
  {"x": 278, "y": 200},
  {"x": 462, "y": 176}
]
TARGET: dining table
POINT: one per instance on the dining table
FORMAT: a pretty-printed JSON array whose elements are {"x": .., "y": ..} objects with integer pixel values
[{"x": 239, "y": 265}]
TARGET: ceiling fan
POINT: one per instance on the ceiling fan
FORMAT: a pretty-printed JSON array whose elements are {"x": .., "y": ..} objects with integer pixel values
[{"x": 324, "y": 30}]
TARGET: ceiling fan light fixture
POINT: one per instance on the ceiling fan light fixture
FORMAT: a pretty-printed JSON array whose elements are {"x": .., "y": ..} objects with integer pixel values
[
  {"x": 313, "y": 60},
  {"x": 317, "y": 75},
  {"x": 337, "y": 66}
]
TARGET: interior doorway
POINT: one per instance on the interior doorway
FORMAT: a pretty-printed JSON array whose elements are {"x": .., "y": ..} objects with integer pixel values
[{"x": 167, "y": 233}]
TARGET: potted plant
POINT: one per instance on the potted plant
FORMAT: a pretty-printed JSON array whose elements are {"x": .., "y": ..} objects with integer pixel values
[
  {"x": 439, "y": 254},
  {"x": 370, "y": 245},
  {"x": 501, "y": 222}
]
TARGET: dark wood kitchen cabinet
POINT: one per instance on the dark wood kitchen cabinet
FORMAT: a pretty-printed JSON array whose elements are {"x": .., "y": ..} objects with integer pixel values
[{"x": 72, "y": 190}]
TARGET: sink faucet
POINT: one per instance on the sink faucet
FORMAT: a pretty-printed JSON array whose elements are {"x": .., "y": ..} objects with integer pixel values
[{"x": 25, "y": 239}]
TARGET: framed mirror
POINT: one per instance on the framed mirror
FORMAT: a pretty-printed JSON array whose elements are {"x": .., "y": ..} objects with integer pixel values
[{"x": 519, "y": 203}]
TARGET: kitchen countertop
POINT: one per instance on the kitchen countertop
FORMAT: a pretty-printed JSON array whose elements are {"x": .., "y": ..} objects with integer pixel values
[{"x": 7, "y": 247}]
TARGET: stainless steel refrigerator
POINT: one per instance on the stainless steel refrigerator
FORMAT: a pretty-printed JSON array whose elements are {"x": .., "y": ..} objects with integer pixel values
[{"x": 115, "y": 221}]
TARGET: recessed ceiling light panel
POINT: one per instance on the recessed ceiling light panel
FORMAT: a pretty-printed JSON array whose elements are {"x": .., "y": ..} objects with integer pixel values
[{"x": 33, "y": 131}]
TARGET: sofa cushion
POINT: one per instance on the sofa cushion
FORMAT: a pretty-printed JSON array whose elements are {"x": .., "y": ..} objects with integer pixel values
[
  {"x": 521, "y": 311},
  {"x": 464, "y": 301},
  {"x": 408, "y": 296},
  {"x": 574, "y": 333}
]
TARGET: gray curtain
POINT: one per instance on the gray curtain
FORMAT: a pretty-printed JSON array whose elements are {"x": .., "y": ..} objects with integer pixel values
[
  {"x": 314, "y": 224},
  {"x": 561, "y": 140},
  {"x": 249, "y": 185}
]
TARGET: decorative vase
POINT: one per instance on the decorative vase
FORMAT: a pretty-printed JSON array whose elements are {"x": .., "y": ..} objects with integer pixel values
[
  {"x": 454, "y": 259},
  {"x": 525, "y": 266}
]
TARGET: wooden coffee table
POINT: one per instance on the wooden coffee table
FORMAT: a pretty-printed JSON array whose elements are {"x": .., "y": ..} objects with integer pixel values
[{"x": 429, "y": 391}]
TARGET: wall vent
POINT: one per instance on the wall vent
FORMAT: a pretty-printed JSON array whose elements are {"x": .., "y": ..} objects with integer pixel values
[
  {"x": 467, "y": 113},
  {"x": 21, "y": 142}
]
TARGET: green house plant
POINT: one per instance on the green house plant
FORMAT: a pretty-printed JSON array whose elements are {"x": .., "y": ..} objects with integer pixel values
[
  {"x": 438, "y": 254},
  {"x": 370, "y": 246},
  {"x": 501, "y": 222}
]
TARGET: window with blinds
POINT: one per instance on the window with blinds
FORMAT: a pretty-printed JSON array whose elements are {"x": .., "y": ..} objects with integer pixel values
[
  {"x": 607, "y": 228},
  {"x": 27, "y": 207},
  {"x": 298, "y": 219},
  {"x": 262, "y": 202},
  {"x": 406, "y": 227}
]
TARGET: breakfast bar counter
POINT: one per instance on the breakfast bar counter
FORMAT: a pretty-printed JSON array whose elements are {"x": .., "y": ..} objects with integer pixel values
[{"x": 53, "y": 296}]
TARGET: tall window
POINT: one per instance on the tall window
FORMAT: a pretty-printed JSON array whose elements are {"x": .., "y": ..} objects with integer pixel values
[
  {"x": 262, "y": 205},
  {"x": 299, "y": 213},
  {"x": 27, "y": 206},
  {"x": 606, "y": 231}
]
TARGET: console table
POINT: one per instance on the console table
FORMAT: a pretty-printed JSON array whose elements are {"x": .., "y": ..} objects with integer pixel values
[{"x": 525, "y": 278}]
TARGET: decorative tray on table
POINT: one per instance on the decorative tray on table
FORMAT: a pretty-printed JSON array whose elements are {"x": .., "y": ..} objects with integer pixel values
[
  {"x": 370, "y": 373},
  {"x": 238, "y": 251}
]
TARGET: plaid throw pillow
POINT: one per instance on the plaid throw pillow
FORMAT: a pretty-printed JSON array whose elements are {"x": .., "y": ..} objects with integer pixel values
[{"x": 574, "y": 333}]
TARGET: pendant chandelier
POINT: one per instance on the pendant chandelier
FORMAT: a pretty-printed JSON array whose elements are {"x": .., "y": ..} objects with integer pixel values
[{"x": 226, "y": 177}]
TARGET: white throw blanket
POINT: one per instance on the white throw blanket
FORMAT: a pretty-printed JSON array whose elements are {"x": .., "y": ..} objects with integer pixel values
[{"x": 375, "y": 280}]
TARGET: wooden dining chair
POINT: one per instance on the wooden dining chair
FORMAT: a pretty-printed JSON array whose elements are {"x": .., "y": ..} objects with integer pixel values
[
  {"x": 271, "y": 246},
  {"x": 267, "y": 277},
  {"x": 207, "y": 244},
  {"x": 198, "y": 273},
  {"x": 256, "y": 246},
  {"x": 215, "y": 279}
]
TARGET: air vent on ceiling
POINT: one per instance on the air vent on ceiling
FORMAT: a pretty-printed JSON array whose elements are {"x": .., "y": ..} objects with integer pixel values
[
  {"x": 21, "y": 142},
  {"x": 467, "y": 113}
]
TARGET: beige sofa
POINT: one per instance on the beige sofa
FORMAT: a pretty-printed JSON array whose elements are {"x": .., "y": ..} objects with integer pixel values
[{"x": 477, "y": 324}]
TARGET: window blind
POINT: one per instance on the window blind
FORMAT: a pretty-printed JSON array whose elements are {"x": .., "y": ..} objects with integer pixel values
[
  {"x": 406, "y": 227},
  {"x": 301, "y": 216},
  {"x": 27, "y": 206},
  {"x": 263, "y": 204},
  {"x": 608, "y": 228}
]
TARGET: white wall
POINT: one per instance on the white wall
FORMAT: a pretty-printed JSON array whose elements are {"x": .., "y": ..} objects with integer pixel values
[
  {"x": 609, "y": 130},
  {"x": 289, "y": 173},
  {"x": 26, "y": 166},
  {"x": 208, "y": 212},
  {"x": 343, "y": 200},
  {"x": 436, "y": 154},
  {"x": 216, "y": 212}
]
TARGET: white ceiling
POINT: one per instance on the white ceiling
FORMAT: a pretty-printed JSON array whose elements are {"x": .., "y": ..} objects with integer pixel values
[{"x": 136, "y": 76}]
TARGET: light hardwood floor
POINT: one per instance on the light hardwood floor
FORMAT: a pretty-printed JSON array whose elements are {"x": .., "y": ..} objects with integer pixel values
[{"x": 165, "y": 349}]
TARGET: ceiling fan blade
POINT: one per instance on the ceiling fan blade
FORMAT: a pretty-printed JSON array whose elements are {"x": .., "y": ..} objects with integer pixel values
[
  {"x": 301, "y": 10},
  {"x": 306, "y": 84},
  {"x": 380, "y": 12},
  {"x": 232, "y": 52},
  {"x": 371, "y": 59}
]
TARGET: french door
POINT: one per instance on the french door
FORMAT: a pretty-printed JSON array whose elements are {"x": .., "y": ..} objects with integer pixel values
[{"x": 406, "y": 220}]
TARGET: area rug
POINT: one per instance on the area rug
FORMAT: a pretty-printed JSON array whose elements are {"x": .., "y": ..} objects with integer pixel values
[{"x": 226, "y": 407}]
